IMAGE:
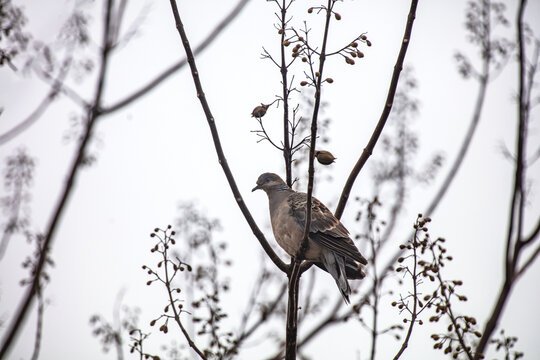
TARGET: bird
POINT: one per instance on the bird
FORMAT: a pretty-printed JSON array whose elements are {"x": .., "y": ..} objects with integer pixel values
[
  {"x": 329, "y": 246},
  {"x": 324, "y": 157}
]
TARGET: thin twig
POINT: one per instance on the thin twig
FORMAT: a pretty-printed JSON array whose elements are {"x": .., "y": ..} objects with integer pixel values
[
  {"x": 167, "y": 282},
  {"x": 287, "y": 155},
  {"x": 313, "y": 136},
  {"x": 456, "y": 328},
  {"x": 414, "y": 312},
  {"x": 375, "y": 297}
]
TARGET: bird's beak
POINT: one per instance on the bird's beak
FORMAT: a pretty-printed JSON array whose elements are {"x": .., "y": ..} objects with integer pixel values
[{"x": 255, "y": 188}]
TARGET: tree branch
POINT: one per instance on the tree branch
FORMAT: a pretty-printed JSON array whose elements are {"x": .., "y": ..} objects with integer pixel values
[
  {"x": 287, "y": 155},
  {"x": 517, "y": 203},
  {"x": 292, "y": 311},
  {"x": 368, "y": 150},
  {"x": 217, "y": 144},
  {"x": 93, "y": 114},
  {"x": 56, "y": 88},
  {"x": 532, "y": 236},
  {"x": 180, "y": 64}
]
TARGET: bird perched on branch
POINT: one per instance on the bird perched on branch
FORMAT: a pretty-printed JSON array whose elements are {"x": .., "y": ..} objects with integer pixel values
[{"x": 329, "y": 245}]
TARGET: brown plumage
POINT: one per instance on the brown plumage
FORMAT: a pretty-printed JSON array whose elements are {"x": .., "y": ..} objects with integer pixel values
[{"x": 329, "y": 246}]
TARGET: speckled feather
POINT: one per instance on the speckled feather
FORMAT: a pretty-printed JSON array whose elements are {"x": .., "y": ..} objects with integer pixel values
[{"x": 325, "y": 229}]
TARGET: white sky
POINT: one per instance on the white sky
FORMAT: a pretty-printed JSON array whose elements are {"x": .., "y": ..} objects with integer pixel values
[{"x": 159, "y": 151}]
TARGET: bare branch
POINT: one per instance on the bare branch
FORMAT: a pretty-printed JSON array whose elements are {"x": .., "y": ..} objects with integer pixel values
[
  {"x": 528, "y": 262},
  {"x": 533, "y": 235},
  {"x": 517, "y": 205},
  {"x": 217, "y": 143},
  {"x": 92, "y": 115},
  {"x": 368, "y": 150},
  {"x": 56, "y": 87},
  {"x": 292, "y": 311},
  {"x": 214, "y": 34},
  {"x": 414, "y": 312},
  {"x": 287, "y": 153}
]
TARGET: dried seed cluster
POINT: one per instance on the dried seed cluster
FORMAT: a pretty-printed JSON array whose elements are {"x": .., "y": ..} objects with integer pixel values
[{"x": 424, "y": 260}]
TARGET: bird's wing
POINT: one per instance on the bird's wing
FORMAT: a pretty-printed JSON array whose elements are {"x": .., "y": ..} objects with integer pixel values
[{"x": 325, "y": 228}]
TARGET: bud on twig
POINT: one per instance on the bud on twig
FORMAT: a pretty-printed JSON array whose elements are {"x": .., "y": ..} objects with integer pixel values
[
  {"x": 259, "y": 111},
  {"x": 324, "y": 157}
]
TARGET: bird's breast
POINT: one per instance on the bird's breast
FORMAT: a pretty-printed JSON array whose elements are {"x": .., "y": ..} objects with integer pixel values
[{"x": 289, "y": 234}]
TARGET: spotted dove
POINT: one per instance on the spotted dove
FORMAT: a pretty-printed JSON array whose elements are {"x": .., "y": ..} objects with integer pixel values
[{"x": 329, "y": 246}]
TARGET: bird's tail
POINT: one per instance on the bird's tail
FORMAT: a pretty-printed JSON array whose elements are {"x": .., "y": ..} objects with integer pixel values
[{"x": 335, "y": 265}]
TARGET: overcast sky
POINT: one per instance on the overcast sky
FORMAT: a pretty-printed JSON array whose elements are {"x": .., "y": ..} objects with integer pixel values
[{"x": 158, "y": 152}]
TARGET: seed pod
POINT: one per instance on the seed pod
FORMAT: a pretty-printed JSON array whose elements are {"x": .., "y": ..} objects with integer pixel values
[
  {"x": 338, "y": 17},
  {"x": 324, "y": 157},
  {"x": 259, "y": 111}
]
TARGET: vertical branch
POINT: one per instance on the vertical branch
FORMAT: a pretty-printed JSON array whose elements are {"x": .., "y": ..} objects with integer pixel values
[
  {"x": 39, "y": 327},
  {"x": 313, "y": 138},
  {"x": 172, "y": 302},
  {"x": 93, "y": 114},
  {"x": 292, "y": 312},
  {"x": 368, "y": 150},
  {"x": 217, "y": 143},
  {"x": 376, "y": 283},
  {"x": 333, "y": 318},
  {"x": 287, "y": 155},
  {"x": 294, "y": 278},
  {"x": 414, "y": 312},
  {"x": 517, "y": 204}
]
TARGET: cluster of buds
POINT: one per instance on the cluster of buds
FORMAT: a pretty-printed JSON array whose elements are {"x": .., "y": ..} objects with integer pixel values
[
  {"x": 299, "y": 48},
  {"x": 430, "y": 256},
  {"x": 319, "y": 8},
  {"x": 165, "y": 240},
  {"x": 351, "y": 51}
]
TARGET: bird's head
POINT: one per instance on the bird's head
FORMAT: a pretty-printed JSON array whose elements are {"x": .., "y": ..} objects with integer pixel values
[{"x": 269, "y": 182}]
